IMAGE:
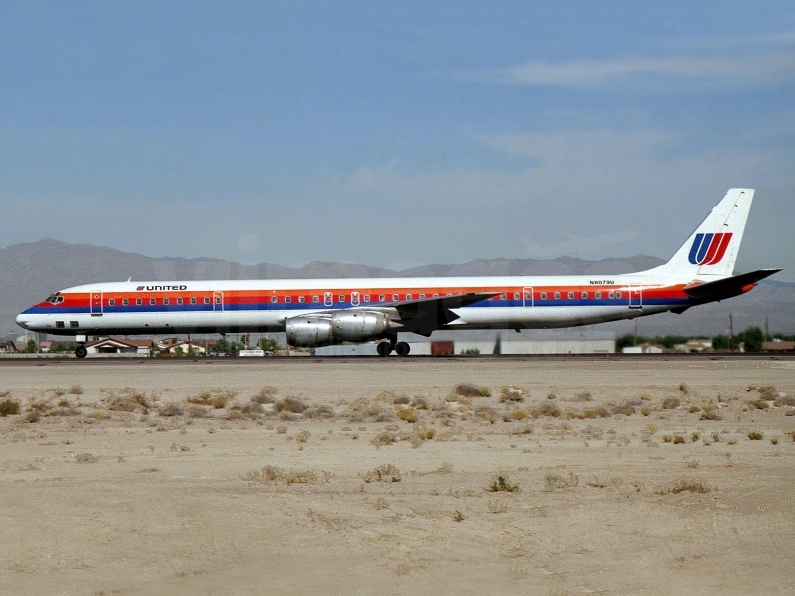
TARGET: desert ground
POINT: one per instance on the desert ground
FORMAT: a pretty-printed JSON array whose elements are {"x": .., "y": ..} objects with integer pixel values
[{"x": 416, "y": 476}]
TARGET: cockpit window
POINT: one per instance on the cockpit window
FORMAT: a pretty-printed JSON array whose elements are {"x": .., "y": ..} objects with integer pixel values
[{"x": 55, "y": 299}]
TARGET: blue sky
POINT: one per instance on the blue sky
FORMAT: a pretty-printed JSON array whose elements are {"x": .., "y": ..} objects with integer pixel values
[{"x": 394, "y": 133}]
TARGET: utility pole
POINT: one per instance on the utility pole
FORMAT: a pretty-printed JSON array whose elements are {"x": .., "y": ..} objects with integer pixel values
[
  {"x": 731, "y": 333},
  {"x": 767, "y": 331}
]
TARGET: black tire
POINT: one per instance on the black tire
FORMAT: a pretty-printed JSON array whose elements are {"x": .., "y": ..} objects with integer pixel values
[
  {"x": 384, "y": 348},
  {"x": 81, "y": 352},
  {"x": 402, "y": 348}
]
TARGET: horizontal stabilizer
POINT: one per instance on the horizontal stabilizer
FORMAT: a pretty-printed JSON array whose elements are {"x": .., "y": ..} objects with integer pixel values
[{"x": 728, "y": 286}]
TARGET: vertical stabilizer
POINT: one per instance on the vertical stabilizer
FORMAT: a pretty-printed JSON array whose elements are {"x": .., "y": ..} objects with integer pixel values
[{"x": 712, "y": 249}]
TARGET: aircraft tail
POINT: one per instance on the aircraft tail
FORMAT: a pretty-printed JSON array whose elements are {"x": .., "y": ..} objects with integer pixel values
[{"x": 712, "y": 249}]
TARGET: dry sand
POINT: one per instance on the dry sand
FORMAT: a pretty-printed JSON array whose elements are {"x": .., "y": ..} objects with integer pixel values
[{"x": 99, "y": 501}]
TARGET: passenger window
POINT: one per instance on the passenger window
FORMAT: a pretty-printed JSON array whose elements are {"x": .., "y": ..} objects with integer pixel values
[
  {"x": 166, "y": 301},
  {"x": 367, "y": 297},
  {"x": 557, "y": 295},
  {"x": 179, "y": 301},
  {"x": 59, "y": 325},
  {"x": 408, "y": 297},
  {"x": 422, "y": 296},
  {"x": 584, "y": 295},
  {"x": 618, "y": 295},
  {"x": 207, "y": 300},
  {"x": 193, "y": 300},
  {"x": 138, "y": 301},
  {"x": 274, "y": 299},
  {"x": 611, "y": 295},
  {"x": 125, "y": 302},
  {"x": 395, "y": 297},
  {"x": 503, "y": 296},
  {"x": 516, "y": 295},
  {"x": 111, "y": 302},
  {"x": 571, "y": 295},
  {"x": 436, "y": 295},
  {"x": 286, "y": 299},
  {"x": 381, "y": 297},
  {"x": 342, "y": 297},
  {"x": 301, "y": 299},
  {"x": 598, "y": 295},
  {"x": 528, "y": 296},
  {"x": 543, "y": 295},
  {"x": 152, "y": 301},
  {"x": 315, "y": 299}
]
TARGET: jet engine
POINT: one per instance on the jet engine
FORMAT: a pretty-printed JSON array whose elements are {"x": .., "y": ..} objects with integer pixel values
[{"x": 309, "y": 331}]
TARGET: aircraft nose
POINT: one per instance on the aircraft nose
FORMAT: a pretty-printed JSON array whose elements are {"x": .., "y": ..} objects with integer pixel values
[{"x": 23, "y": 320}]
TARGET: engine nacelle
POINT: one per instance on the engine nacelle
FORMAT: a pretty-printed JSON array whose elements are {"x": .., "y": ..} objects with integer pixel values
[{"x": 309, "y": 331}]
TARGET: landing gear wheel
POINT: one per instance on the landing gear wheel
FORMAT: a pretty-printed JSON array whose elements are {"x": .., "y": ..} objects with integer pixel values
[
  {"x": 402, "y": 348},
  {"x": 81, "y": 351},
  {"x": 384, "y": 348}
]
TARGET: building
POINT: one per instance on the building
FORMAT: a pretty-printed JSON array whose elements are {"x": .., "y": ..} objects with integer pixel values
[
  {"x": 118, "y": 346},
  {"x": 494, "y": 341},
  {"x": 642, "y": 349}
]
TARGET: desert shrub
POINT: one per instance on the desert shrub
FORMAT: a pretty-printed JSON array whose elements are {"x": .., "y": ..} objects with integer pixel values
[
  {"x": 679, "y": 440},
  {"x": 790, "y": 434},
  {"x": 685, "y": 484},
  {"x": 419, "y": 403},
  {"x": 407, "y": 415},
  {"x": 469, "y": 390},
  {"x": 518, "y": 414},
  {"x": 171, "y": 409},
  {"x": 624, "y": 409},
  {"x": 265, "y": 395},
  {"x": 487, "y": 414},
  {"x": 684, "y": 388},
  {"x": 219, "y": 401},
  {"x": 129, "y": 400},
  {"x": 86, "y": 458},
  {"x": 384, "y": 438},
  {"x": 645, "y": 411},
  {"x": 383, "y": 473},
  {"x": 694, "y": 436},
  {"x": 555, "y": 482},
  {"x": 671, "y": 403},
  {"x": 785, "y": 400},
  {"x": 303, "y": 436},
  {"x": 693, "y": 409},
  {"x": 254, "y": 409},
  {"x": 319, "y": 411},
  {"x": 583, "y": 396},
  {"x": 510, "y": 394},
  {"x": 292, "y": 405},
  {"x": 58, "y": 392},
  {"x": 75, "y": 390},
  {"x": 33, "y": 416},
  {"x": 9, "y": 407},
  {"x": 759, "y": 404},
  {"x": 401, "y": 400},
  {"x": 424, "y": 433},
  {"x": 768, "y": 392},
  {"x": 731, "y": 441},
  {"x": 275, "y": 474},
  {"x": 755, "y": 435},
  {"x": 281, "y": 430},
  {"x": 710, "y": 416},
  {"x": 501, "y": 484},
  {"x": 598, "y": 412},
  {"x": 197, "y": 412},
  {"x": 774, "y": 440},
  {"x": 547, "y": 409}
]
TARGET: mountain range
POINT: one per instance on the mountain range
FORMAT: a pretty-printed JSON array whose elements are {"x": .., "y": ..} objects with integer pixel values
[{"x": 29, "y": 272}]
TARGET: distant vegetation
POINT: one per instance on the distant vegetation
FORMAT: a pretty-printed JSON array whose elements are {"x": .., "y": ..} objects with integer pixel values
[{"x": 751, "y": 339}]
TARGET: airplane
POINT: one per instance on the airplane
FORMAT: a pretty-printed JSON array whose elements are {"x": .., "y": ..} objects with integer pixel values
[{"x": 321, "y": 312}]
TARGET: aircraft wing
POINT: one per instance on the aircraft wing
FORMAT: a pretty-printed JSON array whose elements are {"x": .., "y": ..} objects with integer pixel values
[
  {"x": 726, "y": 287},
  {"x": 425, "y": 316}
]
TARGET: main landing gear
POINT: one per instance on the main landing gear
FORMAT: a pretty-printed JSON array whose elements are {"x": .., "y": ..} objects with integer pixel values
[
  {"x": 401, "y": 348},
  {"x": 80, "y": 351}
]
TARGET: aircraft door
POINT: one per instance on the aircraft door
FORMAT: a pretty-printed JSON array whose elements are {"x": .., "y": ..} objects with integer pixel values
[
  {"x": 635, "y": 296},
  {"x": 218, "y": 301},
  {"x": 96, "y": 304},
  {"x": 527, "y": 296},
  {"x": 354, "y": 298}
]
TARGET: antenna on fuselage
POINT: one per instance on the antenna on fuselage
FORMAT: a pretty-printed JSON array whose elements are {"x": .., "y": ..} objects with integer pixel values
[{"x": 129, "y": 279}]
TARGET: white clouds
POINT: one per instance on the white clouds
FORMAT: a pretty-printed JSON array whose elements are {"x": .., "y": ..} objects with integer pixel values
[{"x": 700, "y": 71}]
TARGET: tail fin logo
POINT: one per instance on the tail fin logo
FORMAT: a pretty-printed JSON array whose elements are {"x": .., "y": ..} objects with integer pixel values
[{"x": 708, "y": 249}]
